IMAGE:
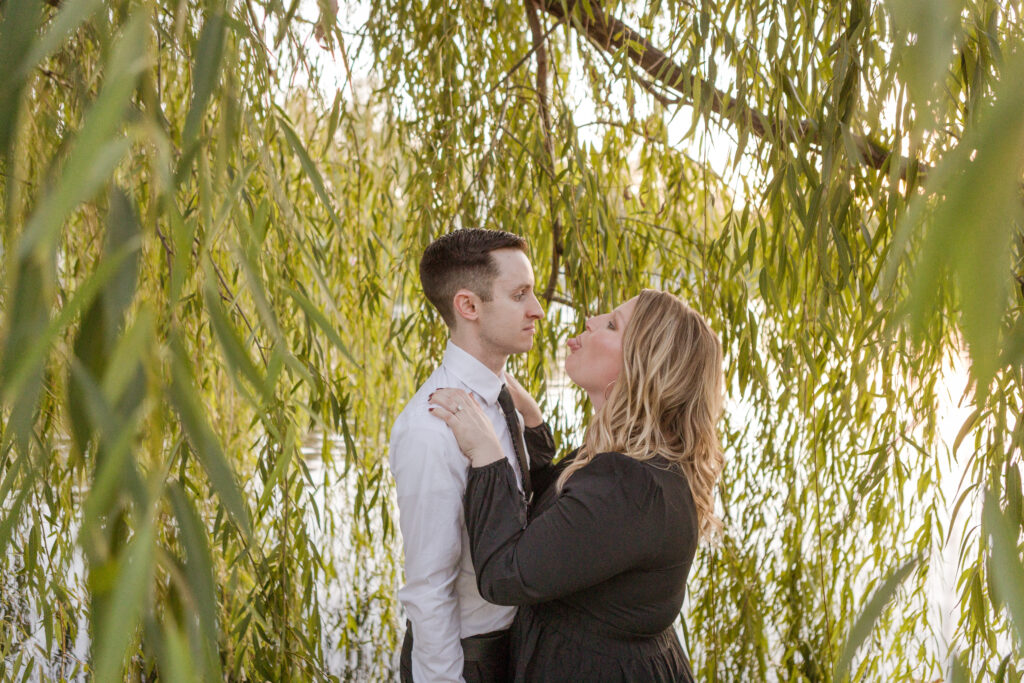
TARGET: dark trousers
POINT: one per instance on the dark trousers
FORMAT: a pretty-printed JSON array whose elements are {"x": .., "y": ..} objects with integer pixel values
[{"x": 485, "y": 657}]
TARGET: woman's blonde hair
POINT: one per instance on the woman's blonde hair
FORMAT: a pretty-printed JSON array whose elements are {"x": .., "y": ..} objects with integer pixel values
[{"x": 666, "y": 401}]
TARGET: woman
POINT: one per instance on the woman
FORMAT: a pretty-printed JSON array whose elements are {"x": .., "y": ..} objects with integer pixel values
[{"x": 600, "y": 568}]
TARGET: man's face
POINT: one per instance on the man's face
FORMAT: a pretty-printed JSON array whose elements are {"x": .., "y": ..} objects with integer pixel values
[{"x": 507, "y": 320}]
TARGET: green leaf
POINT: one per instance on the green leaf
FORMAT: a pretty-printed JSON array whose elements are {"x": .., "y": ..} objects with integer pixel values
[
  {"x": 314, "y": 315},
  {"x": 310, "y": 168},
  {"x": 123, "y": 233},
  {"x": 102, "y": 321},
  {"x": 177, "y": 662},
  {"x": 98, "y": 149},
  {"x": 870, "y": 614},
  {"x": 925, "y": 59},
  {"x": 25, "y": 488},
  {"x": 205, "y": 74},
  {"x": 280, "y": 466},
  {"x": 234, "y": 351},
  {"x": 958, "y": 671},
  {"x": 113, "y": 468},
  {"x": 205, "y": 444},
  {"x": 1006, "y": 562},
  {"x": 72, "y": 14},
  {"x": 970, "y": 231},
  {"x": 21, "y": 372},
  {"x": 199, "y": 569},
  {"x": 115, "y": 626},
  {"x": 17, "y": 30}
]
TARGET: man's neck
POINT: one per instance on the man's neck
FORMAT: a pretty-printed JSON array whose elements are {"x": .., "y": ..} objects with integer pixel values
[{"x": 495, "y": 362}]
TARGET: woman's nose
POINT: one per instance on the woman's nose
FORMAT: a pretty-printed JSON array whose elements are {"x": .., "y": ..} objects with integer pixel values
[{"x": 587, "y": 325}]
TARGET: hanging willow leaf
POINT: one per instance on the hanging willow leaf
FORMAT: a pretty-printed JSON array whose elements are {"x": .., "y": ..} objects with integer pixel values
[
  {"x": 314, "y": 315},
  {"x": 869, "y": 615},
  {"x": 17, "y": 29},
  {"x": 199, "y": 571},
  {"x": 205, "y": 74},
  {"x": 21, "y": 374},
  {"x": 970, "y": 231},
  {"x": 234, "y": 351},
  {"x": 312, "y": 172},
  {"x": 115, "y": 626},
  {"x": 24, "y": 475},
  {"x": 98, "y": 149},
  {"x": 1006, "y": 563},
  {"x": 102, "y": 321},
  {"x": 72, "y": 14},
  {"x": 610, "y": 148},
  {"x": 204, "y": 442}
]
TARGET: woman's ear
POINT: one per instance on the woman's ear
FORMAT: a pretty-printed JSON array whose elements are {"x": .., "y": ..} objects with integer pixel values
[{"x": 466, "y": 305}]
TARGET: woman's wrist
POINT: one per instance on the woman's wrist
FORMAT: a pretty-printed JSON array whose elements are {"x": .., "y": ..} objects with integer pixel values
[
  {"x": 485, "y": 456},
  {"x": 532, "y": 418},
  {"x": 473, "y": 465}
]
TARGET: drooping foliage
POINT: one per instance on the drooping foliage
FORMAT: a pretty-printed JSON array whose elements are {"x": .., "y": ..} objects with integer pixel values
[{"x": 211, "y": 217}]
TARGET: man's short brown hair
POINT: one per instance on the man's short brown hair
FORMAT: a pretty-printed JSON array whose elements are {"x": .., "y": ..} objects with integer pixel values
[{"x": 462, "y": 260}]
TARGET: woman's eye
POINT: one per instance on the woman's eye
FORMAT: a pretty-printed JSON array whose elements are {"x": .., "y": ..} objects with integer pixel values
[{"x": 611, "y": 325}]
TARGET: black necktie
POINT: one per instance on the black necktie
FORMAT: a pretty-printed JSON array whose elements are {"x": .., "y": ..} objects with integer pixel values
[{"x": 514, "y": 431}]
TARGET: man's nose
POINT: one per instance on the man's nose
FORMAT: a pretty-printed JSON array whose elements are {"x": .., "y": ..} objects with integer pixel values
[{"x": 536, "y": 311}]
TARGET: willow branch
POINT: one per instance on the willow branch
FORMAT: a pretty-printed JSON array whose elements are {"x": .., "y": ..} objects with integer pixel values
[
  {"x": 540, "y": 50},
  {"x": 612, "y": 35}
]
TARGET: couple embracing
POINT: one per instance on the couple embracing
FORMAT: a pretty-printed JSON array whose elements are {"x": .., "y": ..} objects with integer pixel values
[{"x": 520, "y": 569}]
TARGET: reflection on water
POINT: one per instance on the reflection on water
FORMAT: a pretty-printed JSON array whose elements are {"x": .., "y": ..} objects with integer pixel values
[
  {"x": 356, "y": 601},
  {"x": 361, "y": 624}
]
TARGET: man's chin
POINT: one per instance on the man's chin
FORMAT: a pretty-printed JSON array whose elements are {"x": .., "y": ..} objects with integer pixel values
[{"x": 524, "y": 347}]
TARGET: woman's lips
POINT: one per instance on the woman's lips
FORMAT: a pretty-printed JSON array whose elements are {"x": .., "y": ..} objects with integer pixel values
[{"x": 573, "y": 343}]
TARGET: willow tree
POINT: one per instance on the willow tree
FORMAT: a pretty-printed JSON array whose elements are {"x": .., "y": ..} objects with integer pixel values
[
  {"x": 208, "y": 272},
  {"x": 178, "y": 295},
  {"x": 864, "y": 229}
]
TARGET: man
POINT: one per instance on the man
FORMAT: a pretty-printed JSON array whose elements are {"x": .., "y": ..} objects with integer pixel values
[{"x": 481, "y": 282}]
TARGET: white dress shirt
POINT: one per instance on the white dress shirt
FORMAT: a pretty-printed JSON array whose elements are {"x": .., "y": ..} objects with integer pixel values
[{"x": 440, "y": 593}]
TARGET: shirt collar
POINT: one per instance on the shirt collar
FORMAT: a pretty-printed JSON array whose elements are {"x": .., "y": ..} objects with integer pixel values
[{"x": 474, "y": 374}]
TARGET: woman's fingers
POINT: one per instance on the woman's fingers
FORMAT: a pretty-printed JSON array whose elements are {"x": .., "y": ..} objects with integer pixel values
[
  {"x": 452, "y": 400},
  {"x": 469, "y": 424},
  {"x": 441, "y": 412}
]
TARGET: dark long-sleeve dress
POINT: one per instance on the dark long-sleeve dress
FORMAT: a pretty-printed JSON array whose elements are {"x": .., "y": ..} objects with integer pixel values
[{"x": 599, "y": 571}]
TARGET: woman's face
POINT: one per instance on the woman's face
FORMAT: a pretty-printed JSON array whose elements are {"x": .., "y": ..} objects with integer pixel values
[{"x": 595, "y": 357}]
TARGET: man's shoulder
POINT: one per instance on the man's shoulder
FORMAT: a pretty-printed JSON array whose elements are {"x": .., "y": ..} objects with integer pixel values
[
  {"x": 416, "y": 421},
  {"x": 416, "y": 410}
]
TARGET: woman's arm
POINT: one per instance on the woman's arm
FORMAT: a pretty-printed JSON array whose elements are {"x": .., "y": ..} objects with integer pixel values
[{"x": 597, "y": 528}]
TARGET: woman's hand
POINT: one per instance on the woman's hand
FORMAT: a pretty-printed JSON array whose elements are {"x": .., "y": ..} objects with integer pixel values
[
  {"x": 472, "y": 429},
  {"x": 524, "y": 403}
]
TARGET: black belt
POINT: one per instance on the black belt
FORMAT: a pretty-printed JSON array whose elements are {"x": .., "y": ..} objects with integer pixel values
[
  {"x": 485, "y": 646},
  {"x": 482, "y": 647}
]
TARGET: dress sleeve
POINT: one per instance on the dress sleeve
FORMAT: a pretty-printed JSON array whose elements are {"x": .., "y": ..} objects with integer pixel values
[
  {"x": 540, "y": 444},
  {"x": 598, "y": 527}
]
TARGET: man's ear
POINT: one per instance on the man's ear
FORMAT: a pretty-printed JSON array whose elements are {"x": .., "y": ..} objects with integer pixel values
[{"x": 466, "y": 305}]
